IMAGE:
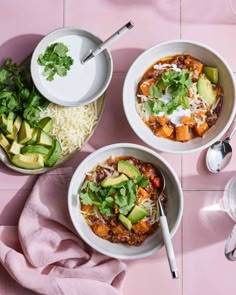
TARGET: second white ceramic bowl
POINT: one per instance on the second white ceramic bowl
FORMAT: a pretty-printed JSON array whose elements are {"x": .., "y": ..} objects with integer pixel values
[
  {"x": 209, "y": 57},
  {"x": 174, "y": 204}
]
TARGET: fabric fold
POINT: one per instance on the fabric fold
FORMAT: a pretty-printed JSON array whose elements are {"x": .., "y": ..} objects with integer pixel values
[{"x": 45, "y": 254}]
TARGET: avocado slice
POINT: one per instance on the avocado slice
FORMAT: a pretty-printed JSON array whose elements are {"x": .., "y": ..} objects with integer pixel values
[
  {"x": 54, "y": 154},
  {"x": 17, "y": 123},
  {"x": 206, "y": 90},
  {"x": 28, "y": 161},
  {"x": 44, "y": 138},
  {"x": 34, "y": 136},
  {"x": 137, "y": 214},
  {"x": 3, "y": 122},
  {"x": 10, "y": 120},
  {"x": 211, "y": 73},
  {"x": 128, "y": 169},
  {"x": 15, "y": 148},
  {"x": 125, "y": 221},
  {"x": 16, "y": 128},
  {"x": 35, "y": 149},
  {"x": 46, "y": 124},
  {"x": 110, "y": 181},
  {"x": 25, "y": 133},
  {"x": 4, "y": 143}
]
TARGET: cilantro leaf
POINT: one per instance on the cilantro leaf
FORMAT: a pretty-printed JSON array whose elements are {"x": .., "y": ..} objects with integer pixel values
[
  {"x": 120, "y": 200},
  {"x": 55, "y": 61},
  {"x": 175, "y": 83},
  {"x": 60, "y": 49},
  {"x": 106, "y": 209},
  {"x": 85, "y": 199},
  {"x": 142, "y": 181},
  {"x": 18, "y": 94},
  {"x": 155, "y": 92}
]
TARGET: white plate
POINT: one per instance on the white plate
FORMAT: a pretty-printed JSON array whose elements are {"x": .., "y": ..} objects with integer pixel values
[{"x": 83, "y": 83}]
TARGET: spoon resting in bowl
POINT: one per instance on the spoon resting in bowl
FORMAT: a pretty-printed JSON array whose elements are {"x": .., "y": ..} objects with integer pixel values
[
  {"x": 219, "y": 154},
  {"x": 166, "y": 234}
]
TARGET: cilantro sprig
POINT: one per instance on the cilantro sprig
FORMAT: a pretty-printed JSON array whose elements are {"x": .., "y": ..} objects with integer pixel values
[
  {"x": 174, "y": 83},
  {"x": 55, "y": 60},
  {"x": 123, "y": 194},
  {"x": 18, "y": 94}
]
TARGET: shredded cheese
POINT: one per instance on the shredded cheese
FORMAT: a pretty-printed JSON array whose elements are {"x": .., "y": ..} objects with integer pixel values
[{"x": 72, "y": 125}]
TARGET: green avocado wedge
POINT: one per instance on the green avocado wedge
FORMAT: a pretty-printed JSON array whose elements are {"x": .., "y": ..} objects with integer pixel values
[
  {"x": 125, "y": 221},
  {"x": 137, "y": 214},
  {"x": 29, "y": 161},
  {"x": 44, "y": 139},
  {"x": 46, "y": 124},
  {"x": 128, "y": 169},
  {"x": 32, "y": 149},
  {"x": 110, "y": 181},
  {"x": 25, "y": 133},
  {"x": 206, "y": 90},
  {"x": 211, "y": 73},
  {"x": 54, "y": 154}
]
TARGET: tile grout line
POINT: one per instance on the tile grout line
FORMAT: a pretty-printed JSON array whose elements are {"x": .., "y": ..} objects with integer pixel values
[
  {"x": 182, "y": 230},
  {"x": 63, "y": 15},
  {"x": 180, "y": 18}
]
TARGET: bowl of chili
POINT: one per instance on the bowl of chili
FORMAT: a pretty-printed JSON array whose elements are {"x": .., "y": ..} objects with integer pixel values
[
  {"x": 112, "y": 200},
  {"x": 179, "y": 96}
]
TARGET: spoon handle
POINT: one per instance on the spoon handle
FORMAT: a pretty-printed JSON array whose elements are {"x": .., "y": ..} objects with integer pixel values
[
  {"x": 231, "y": 132},
  {"x": 167, "y": 242}
]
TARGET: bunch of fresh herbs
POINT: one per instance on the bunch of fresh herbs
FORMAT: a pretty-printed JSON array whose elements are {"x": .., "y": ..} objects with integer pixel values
[
  {"x": 18, "y": 94},
  {"x": 55, "y": 60},
  {"x": 174, "y": 83},
  {"x": 122, "y": 194}
]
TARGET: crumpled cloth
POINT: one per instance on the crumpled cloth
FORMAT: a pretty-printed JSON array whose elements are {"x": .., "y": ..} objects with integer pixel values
[{"x": 45, "y": 255}]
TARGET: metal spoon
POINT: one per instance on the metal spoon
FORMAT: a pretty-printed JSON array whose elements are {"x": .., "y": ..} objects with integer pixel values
[
  {"x": 220, "y": 153},
  {"x": 166, "y": 234}
]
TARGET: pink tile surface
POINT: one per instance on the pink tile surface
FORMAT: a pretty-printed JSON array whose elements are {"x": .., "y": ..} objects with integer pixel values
[
  {"x": 155, "y": 21},
  {"x": 211, "y": 22},
  {"x": 152, "y": 276},
  {"x": 24, "y": 23},
  {"x": 199, "y": 242},
  {"x": 205, "y": 230}
]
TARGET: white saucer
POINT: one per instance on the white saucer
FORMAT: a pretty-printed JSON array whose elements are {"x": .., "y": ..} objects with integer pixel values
[{"x": 83, "y": 83}]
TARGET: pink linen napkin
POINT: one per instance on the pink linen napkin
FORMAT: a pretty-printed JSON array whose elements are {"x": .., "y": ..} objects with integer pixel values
[{"x": 46, "y": 256}]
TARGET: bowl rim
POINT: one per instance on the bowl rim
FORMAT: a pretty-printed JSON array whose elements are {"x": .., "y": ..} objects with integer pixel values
[
  {"x": 167, "y": 165},
  {"x": 230, "y": 119},
  {"x": 52, "y": 98}
]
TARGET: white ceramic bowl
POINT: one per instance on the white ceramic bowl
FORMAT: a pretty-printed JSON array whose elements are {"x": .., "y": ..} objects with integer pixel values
[
  {"x": 84, "y": 83},
  {"x": 174, "y": 207},
  {"x": 207, "y": 56}
]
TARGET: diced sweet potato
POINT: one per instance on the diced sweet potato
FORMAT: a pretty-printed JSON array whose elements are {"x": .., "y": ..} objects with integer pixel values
[
  {"x": 187, "y": 120},
  {"x": 152, "y": 119},
  {"x": 86, "y": 208},
  {"x": 182, "y": 133},
  {"x": 165, "y": 131},
  {"x": 162, "y": 120},
  {"x": 194, "y": 64},
  {"x": 100, "y": 229},
  {"x": 201, "y": 129},
  {"x": 141, "y": 227},
  {"x": 142, "y": 194},
  {"x": 145, "y": 86}
]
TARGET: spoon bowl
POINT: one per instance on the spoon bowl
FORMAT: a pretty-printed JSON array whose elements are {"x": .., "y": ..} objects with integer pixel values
[{"x": 220, "y": 153}]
